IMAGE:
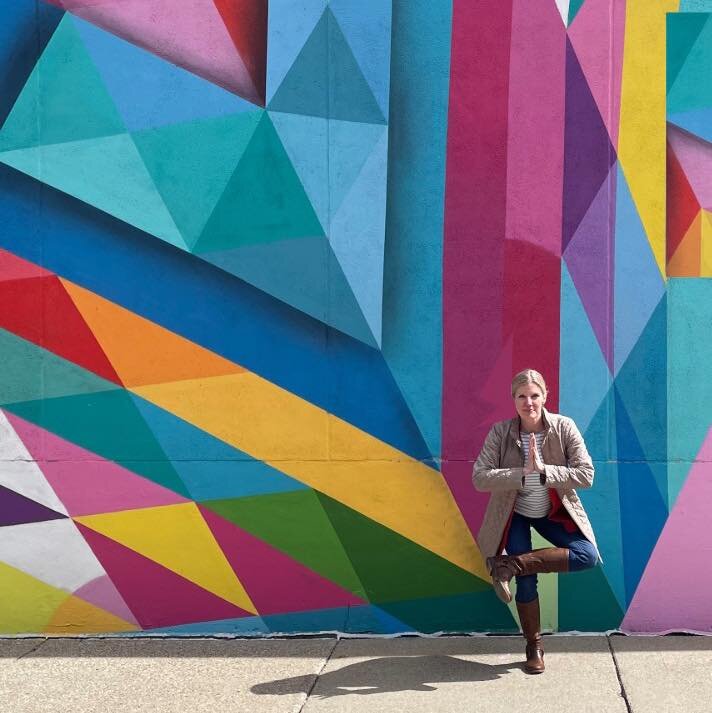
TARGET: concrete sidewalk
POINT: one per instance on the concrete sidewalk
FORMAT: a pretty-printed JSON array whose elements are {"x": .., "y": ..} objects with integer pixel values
[{"x": 614, "y": 674}]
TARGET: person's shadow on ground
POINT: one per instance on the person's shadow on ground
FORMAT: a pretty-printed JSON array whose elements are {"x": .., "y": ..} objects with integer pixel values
[{"x": 391, "y": 673}]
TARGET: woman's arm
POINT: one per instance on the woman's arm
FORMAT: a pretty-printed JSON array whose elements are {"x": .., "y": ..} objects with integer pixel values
[
  {"x": 487, "y": 476},
  {"x": 578, "y": 473}
]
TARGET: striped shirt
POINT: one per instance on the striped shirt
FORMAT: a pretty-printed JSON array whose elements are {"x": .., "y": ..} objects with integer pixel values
[{"x": 533, "y": 499}]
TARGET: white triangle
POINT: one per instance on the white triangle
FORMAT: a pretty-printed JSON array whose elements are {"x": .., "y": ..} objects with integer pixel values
[
  {"x": 53, "y": 552},
  {"x": 563, "y": 6},
  {"x": 19, "y": 471}
]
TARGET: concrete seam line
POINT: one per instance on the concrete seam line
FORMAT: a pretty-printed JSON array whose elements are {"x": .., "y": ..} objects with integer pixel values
[
  {"x": 618, "y": 674},
  {"x": 32, "y": 650},
  {"x": 316, "y": 677}
]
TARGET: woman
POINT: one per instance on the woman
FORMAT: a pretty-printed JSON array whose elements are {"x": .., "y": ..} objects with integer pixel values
[{"x": 532, "y": 465}]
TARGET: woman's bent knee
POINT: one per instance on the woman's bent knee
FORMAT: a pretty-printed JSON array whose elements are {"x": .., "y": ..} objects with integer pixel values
[{"x": 582, "y": 555}]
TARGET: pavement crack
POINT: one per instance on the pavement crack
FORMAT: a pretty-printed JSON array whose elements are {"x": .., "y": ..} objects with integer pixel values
[
  {"x": 318, "y": 674},
  {"x": 32, "y": 650},
  {"x": 624, "y": 695}
]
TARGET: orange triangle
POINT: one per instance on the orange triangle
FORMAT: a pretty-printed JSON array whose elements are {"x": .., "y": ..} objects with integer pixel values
[
  {"x": 706, "y": 245},
  {"x": 75, "y": 616},
  {"x": 141, "y": 351},
  {"x": 685, "y": 261}
]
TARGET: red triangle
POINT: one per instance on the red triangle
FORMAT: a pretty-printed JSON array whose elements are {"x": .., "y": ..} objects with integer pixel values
[
  {"x": 156, "y": 596},
  {"x": 682, "y": 205},
  {"x": 275, "y": 582},
  {"x": 246, "y": 21},
  {"x": 40, "y": 310},
  {"x": 15, "y": 268}
]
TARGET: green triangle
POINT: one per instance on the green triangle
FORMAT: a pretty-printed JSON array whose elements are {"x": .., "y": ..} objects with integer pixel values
[
  {"x": 475, "y": 611},
  {"x": 574, "y": 7},
  {"x": 692, "y": 88},
  {"x": 30, "y": 372},
  {"x": 587, "y": 603},
  {"x": 391, "y": 567},
  {"x": 108, "y": 424},
  {"x": 683, "y": 29},
  {"x": 296, "y": 524},
  {"x": 191, "y": 163},
  {"x": 326, "y": 80},
  {"x": 105, "y": 172},
  {"x": 263, "y": 201},
  {"x": 64, "y": 98}
]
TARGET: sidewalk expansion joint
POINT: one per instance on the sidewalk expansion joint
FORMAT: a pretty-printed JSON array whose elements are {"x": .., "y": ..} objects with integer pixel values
[
  {"x": 318, "y": 673},
  {"x": 32, "y": 650},
  {"x": 618, "y": 674}
]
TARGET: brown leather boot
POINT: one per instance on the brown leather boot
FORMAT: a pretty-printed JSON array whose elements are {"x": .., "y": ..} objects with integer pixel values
[
  {"x": 529, "y": 618},
  {"x": 504, "y": 567}
]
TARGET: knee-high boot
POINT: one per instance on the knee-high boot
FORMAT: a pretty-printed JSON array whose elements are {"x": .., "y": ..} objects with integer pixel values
[
  {"x": 530, "y": 620},
  {"x": 504, "y": 567}
]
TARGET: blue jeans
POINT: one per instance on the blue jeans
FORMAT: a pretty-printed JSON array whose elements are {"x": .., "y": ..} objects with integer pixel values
[{"x": 582, "y": 554}]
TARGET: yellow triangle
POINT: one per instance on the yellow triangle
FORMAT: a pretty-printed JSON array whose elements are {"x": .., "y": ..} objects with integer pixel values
[
  {"x": 642, "y": 134},
  {"x": 141, "y": 351},
  {"x": 706, "y": 245},
  {"x": 328, "y": 454},
  {"x": 28, "y": 604},
  {"x": 685, "y": 261},
  {"x": 177, "y": 537},
  {"x": 75, "y": 616}
]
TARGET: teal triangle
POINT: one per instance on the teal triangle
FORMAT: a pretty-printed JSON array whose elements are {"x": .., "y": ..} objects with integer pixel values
[
  {"x": 191, "y": 164},
  {"x": 302, "y": 272},
  {"x": 106, "y": 172},
  {"x": 64, "y": 98},
  {"x": 587, "y": 602},
  {"x": 474, "y": 611},
  {"x": 306, "y": 141},
  {"x": 325, "y": 79},
  {"x": 29, "y": 373},
  {"x": 108, "y": 424},
  {"x": 683, "y": 30},
  {"x": 574, "y": 7},
  {"x": 264, "y": 199},
  {"x": 599, "y": 435},
  {"x": 692, "y": 88}
]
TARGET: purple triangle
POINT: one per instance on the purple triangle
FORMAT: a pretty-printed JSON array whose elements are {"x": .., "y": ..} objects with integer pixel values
[
  {"x": 589, "y": 257},
  {"x": 588, "y": 153},
  {"x": 16, "y": 509}
]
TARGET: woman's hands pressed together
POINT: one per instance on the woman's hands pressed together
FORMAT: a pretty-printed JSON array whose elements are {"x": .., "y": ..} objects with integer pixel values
[{"x": 534, "y": 462}]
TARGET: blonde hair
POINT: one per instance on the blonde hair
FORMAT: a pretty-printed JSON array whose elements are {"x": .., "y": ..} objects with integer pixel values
[{"x": 528, "y": 376}]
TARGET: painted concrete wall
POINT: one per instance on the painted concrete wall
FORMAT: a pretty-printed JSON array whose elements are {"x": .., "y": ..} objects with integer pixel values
[{"x": 266, "y": 271}]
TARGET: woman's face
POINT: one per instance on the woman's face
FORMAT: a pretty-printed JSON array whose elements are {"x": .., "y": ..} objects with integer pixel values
[{"x": 529, "y": 401}]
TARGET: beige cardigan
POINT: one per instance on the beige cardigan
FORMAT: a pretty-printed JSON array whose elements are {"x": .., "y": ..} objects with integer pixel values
[{"x": 499, "y": 470}]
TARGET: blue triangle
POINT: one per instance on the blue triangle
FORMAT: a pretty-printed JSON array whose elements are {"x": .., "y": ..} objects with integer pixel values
[
  {"x": 634, "y": 299},
  {"x": 210, "y": 468},
  {"x": 580, "y": 352},
  {"x": 367, "y": 28},
  {"x": 150, "y": 92},
  {"x": 291, "y": 23},
  {"x": 641, "y": 386},
  {"x": 698, "y": 122},
  {"x": 325, "y": 80},
  {"x": 242, "y": 626}
]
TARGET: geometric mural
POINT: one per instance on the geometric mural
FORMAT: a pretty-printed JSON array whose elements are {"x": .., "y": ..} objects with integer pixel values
[{"x": 267, "y": 269}]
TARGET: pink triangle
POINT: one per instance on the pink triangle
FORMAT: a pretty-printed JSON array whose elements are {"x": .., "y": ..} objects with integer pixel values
[
  {"x": 15, "y": 268},
  {"x": 157, "y": 596},
  {"x": 102, "y": 593},
  {"x": 695, "y": 157},
  {"x": 190, "y": 33},
  {"x": 674, "y": 591},
  {"x": 275, "y": 582},
  {"x": 86, "y": 483},
  {"x": 597, "y": 35}
]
